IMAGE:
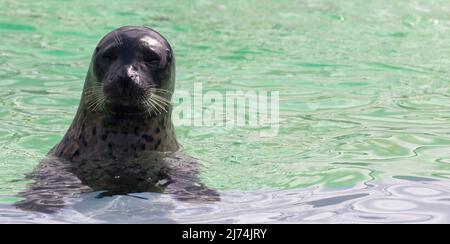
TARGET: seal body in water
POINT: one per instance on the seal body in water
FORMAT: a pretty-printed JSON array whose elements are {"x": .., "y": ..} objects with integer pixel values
[{"x": 122, "y": 138}]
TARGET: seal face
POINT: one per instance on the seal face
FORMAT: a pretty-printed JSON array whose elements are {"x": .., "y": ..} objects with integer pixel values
[
  {"x": 132, "y": 65},
  {"x": 122, "y": 138}
]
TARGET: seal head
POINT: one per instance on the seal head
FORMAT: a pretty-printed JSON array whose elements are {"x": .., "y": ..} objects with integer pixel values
[
  {"x": 125, "y": 109},
  {"x": 129, "y": 66}
]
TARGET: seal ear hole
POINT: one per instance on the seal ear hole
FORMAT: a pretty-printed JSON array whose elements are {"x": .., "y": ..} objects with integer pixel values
[{"x": 169, "y": 55}]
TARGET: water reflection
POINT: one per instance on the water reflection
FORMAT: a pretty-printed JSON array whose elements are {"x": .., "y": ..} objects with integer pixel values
[{"x": 401, "y": 200}]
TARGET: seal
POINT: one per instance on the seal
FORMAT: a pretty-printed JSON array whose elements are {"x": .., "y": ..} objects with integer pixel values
[{"x": 122, "y": 138}]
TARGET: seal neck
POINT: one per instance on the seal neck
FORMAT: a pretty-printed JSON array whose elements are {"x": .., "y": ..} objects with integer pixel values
[{"x": 99, "y": 135}]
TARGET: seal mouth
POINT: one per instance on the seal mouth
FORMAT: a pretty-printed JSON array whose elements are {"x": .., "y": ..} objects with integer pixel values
[
  {"x": 125, "y": 108},
  {"x": 152, "y": 100},
  {"x": 125, "y": 101}
]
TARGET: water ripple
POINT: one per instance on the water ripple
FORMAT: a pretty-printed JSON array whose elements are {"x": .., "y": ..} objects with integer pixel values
[{"x": 396, "y": 201}]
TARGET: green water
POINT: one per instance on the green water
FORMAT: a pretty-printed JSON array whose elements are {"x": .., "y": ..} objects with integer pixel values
[{"x": 363, "y": 84}]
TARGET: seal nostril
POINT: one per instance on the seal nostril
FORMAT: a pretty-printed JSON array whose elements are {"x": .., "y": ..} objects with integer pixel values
[
  {"x": 132, "y": 72},
  {"x": 126, "y": 84}
]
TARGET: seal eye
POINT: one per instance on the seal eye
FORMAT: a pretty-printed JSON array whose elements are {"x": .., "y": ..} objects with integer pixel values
[
  {"x": 110, "y": 55},
  {"x": 151, "y": 58}
]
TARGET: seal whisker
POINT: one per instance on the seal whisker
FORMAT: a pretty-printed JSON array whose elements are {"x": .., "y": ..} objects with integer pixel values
[
  {"x": 159, "y": 101},
  {"x": 154, "y": 98},
  {"x": 94, "y": 97},
  {"x": 162, "y": 91},
  {"x": 93, "y": 106},
  {"x": 117, "y": 39},
  {"x": 154, "y": 106},
  {"x": 161, "y": 97},
  {"x": 159, "y": 89},
  {"x": 160, "y": 106},
  {"x": 91, "y": 100},
  {"x": 150, "y": 107},
  {"x": 98, "y": 104}
]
